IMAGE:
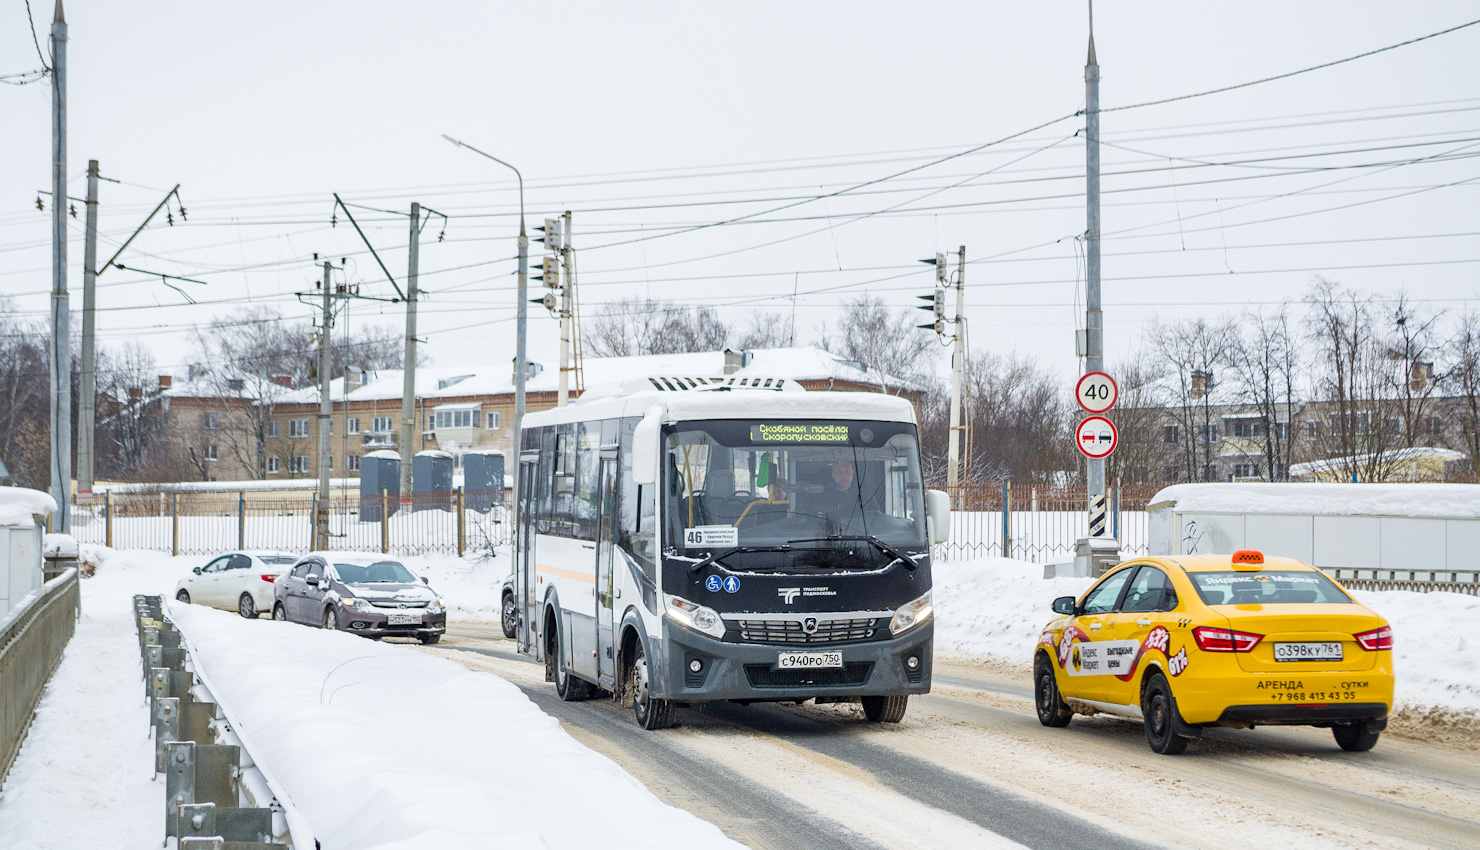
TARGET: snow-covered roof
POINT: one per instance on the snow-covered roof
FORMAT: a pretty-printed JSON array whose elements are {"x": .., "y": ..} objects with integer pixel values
[
  {"x": 1340, "y": 464},
  {"x": 20, "y": 506},
  {"x": 1440, "y": 501},
  {"x": 802, "y": 363}
]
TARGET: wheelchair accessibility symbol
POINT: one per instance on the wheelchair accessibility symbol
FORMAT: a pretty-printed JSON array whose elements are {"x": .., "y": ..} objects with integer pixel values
[{"x": 712, "y": 584}]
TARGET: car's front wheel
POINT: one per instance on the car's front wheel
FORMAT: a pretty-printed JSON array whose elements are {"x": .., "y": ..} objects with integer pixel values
[
  {"x": 1052, "y": 710},
  {"x": 509, "y": 618},
  {"x": 247, "y": 606},
  {"x": 428, "y": 640},
  {"x": 183, "y": 596},
  {"x": 331, "y": 619},
  {"x": 279, "y": 612},
  {"x": 1159, "y": 708},
  {"x": 1356, "y": 737}
]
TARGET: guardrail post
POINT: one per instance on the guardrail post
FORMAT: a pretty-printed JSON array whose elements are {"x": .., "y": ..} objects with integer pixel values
[
  {"x": 241, "y": 519},
  {"x": 461, "y": 524},
  {"x": 175, "y": 523},
  {"x": 108, "y": 518}
]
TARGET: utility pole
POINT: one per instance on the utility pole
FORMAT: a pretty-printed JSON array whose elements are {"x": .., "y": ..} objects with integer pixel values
[
  {"x": 61, "y": 339},
  {"x": 88, "y": 395},
  {"x": 408, "y": 388},
  {"x": 567, "y": 316},
  {"x": 958, "y": 365},
  {"x": 1094, "y": 322},
  {"x": 321, "y": 522}
]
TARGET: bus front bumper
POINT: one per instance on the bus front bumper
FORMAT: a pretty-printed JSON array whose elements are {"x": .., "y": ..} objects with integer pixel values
[{"x": 749, "y": 671}]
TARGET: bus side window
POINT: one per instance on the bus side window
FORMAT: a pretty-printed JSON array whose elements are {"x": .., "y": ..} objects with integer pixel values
[
  {"x": 562, "y": 513},
  {"x": 546, "y": 469},
  {"x": 635, "y": 506},
  {"x": 585, "y": 507}
]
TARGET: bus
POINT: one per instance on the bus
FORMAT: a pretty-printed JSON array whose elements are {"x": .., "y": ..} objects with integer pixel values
[{"x": 688, "y": 540}]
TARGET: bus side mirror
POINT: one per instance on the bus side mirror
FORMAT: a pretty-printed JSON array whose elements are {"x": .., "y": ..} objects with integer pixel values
[
  {"x": 645, "y": 447},
  {"x": 938, "y": 515}
]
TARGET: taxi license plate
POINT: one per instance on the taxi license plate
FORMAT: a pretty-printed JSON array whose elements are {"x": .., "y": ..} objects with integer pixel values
[
  {"x": 1323, "y": 651},
  {"x": 795, "y": 660},
  {"x": 403, "y": 619}
]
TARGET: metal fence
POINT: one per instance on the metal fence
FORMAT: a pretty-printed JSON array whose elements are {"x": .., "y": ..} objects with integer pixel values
[
  {"x": 32, "y": 638},
  {"x": 1040, "y": 523},
  {"x": 185, "y": 523}
]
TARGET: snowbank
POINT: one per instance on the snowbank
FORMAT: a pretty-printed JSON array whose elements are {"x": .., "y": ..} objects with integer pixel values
[
  {"x": 59, "y": 546},
  {"x": 20, "y": 506},
  {"x": 1439, "y": 501},
  {"x": 382, "y": 746},
  {"x": 996, "y": 608}
]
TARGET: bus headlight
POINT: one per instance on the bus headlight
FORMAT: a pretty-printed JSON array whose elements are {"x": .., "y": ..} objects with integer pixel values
[
  {"x": 911, "y": 614},
  {"x": 696, "y": 617}
]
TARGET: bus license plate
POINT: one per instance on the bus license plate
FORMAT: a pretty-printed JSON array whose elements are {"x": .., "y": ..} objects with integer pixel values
[
  {"x": 794, "y": 660},
  {"x": 1323, "y": 651},
  {"x": 403, "y": 619}
]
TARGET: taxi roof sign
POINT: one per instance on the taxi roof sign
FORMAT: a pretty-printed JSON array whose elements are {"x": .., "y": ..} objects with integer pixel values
[{"x": 1248, "y": 558}]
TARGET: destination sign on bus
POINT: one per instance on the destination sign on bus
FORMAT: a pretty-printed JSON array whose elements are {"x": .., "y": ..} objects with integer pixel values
[{"x": 785, "y": 432}]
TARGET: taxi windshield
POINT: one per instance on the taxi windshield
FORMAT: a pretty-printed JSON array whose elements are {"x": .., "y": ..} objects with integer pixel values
[
  {"x": 1266, "y": 587},
  {"x": 811, "y": 492}
]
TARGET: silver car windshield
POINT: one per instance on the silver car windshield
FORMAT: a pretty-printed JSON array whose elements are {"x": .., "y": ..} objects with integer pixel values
[{"x": 380, "y": 572}]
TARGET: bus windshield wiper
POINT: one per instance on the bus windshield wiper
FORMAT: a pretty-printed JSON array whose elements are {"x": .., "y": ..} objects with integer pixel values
[
  {"x": 869, "y": 538},
  {"x": 738, "y": 550}
]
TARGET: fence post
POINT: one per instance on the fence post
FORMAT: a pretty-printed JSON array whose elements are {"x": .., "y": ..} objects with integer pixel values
[
  {"x": 1115, "y": 512},
  {"x": 385, "y": 525},
  {"x": 108, "y": 518},
  {"x": 313, "y": 531},
  {"x": 461, "y": 524},
  {"x": 1007, "y": 518},
  {"x": 175, "y": 523},
  {"x": 241, "y": 519}
]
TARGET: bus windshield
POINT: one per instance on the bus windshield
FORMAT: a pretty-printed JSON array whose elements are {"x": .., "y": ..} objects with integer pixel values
[{"x": 794, "y": 493}]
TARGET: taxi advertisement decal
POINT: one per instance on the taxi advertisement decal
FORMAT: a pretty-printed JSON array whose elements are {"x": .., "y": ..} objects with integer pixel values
[{"x": 1178, "y": 663}]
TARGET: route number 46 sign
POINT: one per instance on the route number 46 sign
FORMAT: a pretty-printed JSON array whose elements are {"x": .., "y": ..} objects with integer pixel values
[{"x": 1096, "y": 392}]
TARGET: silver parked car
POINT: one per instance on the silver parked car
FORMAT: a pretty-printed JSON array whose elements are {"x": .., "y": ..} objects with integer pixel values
[{"x": 365, "y": 593}]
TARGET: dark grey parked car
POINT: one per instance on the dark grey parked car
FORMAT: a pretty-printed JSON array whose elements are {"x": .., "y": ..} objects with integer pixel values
[{"x": 365, "y": 593}]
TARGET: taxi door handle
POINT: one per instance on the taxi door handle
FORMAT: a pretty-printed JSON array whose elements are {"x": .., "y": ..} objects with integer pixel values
[
  {"x": 1094, "y": 626},
  {"x": 1143, "y": 622}
]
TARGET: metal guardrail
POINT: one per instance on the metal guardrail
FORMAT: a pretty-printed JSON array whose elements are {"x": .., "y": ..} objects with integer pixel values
[
  {"x": 1423, "y": 581},
  {"x": 32, "y": 638},
  {"x": 216, "y": 795}
]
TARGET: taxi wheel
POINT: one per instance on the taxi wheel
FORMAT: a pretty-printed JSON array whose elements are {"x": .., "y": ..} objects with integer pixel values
[
  {"x": 1159, "y": 707},
  {"x": 1355, "y": 737},
  {"x": 1052, "y": 710}
]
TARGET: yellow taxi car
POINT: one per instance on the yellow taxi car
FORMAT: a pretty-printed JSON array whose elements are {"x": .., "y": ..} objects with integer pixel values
[{"x": 1190, "y": 641}]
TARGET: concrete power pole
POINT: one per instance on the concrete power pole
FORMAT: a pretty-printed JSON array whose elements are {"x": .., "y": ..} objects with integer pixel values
[
  {"x": 958, "y": 365},
  {"x": 321, "y": 522},
  {"x": 86, "y": 419},
  {"x": 1094, "y": 322},
  {"x": 61, "y": 339},
  {"x": 408, "y": 388}
]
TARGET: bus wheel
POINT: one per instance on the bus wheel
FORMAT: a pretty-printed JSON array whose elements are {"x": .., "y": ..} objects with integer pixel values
[
  {"x": 651, "y": 712},
  {"x": 885, "y": 709},
  {"x": 569, "y": 688}
]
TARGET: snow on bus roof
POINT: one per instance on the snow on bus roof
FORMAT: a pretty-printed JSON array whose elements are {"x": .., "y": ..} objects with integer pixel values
[{"x": 1439, "y": 501}]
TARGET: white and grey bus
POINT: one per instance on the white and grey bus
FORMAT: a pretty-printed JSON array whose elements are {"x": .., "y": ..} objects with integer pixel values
[{"x": 706, "y": 539}]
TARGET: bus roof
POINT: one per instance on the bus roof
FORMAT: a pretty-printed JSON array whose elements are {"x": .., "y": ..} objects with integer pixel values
[{"x": 725, "y": 403}]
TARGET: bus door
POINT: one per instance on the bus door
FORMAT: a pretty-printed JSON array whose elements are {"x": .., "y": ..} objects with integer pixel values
[
  {"x": 524, "y": 556},
  {"x": 606, "y": 555}
]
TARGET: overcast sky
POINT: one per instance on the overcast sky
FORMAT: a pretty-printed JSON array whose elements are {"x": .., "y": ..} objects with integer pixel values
[{"x": 648, "y": 118}]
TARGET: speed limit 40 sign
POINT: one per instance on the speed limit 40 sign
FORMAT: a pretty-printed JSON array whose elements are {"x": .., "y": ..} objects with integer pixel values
[{"x": 1096, "y": 392}]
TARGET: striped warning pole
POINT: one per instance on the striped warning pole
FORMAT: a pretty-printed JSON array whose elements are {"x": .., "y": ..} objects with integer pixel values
[{"x": 1097, "y": 515}]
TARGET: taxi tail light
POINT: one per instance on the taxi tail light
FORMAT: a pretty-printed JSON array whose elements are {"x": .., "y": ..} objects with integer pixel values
[
  {"x": 1376, "y": 639},
  {"x": 1210, "y": 639},
  {"x": 269, "y": 577}
]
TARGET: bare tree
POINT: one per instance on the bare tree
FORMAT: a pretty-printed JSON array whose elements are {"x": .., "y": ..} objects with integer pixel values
[
  {"x": 887, "y": 342},
  {"x": 636, "y": 326},
  {"x": 23, "y": 398},
  {"x": 1019, "y": 417},
  {"x": 1464, "y": 377},
  {"x": 1194, "y": 352},
  {"x": 1143, "y": 453},
  {"x": 1412, "y": 383},
  {"x": 766, "y": 329},
  {"x": 1356, "y": 381},
  {"x": 131, "y": 433},
  {"x": 1266, "y": 358}
]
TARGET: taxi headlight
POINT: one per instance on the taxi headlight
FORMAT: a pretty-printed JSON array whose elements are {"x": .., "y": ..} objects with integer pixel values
[
  {"x": 911, "y": 614},
  {"x": 694, "y": 616}
]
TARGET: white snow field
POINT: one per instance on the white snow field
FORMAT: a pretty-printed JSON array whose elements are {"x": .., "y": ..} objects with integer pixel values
[{"x": 996, "y": 608}]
